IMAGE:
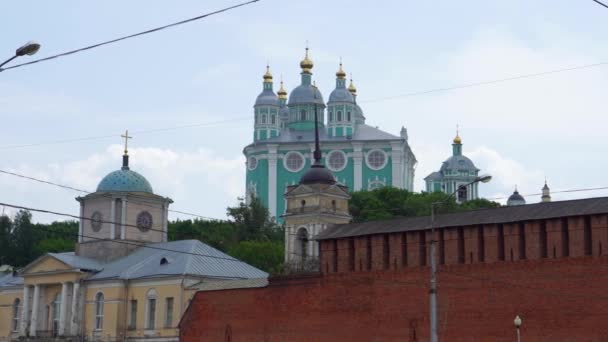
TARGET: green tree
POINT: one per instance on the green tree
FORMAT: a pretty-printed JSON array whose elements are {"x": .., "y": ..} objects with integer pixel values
[
  {"x": 265, "y": 255},
  {"x": 24, "y": 238},
  {"x": 5, "y": 240},
  {"x": 253, "y": 221}
]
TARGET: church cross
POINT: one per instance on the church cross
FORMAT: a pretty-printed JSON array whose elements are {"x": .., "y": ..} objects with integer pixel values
[{"x": 127, "y": 137}]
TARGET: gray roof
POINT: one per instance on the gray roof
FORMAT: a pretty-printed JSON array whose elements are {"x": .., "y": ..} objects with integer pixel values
[
  {"x": 230, "y": 284},
  {"x": 267, "y": 98},
  {"x": 76, "y": 261},
  {"x": 362, "y": 132},
  {"x": 434, "y": 176},
  {"x": 536, "y": 211},
  {"x": 203, "y": 260},
  {"x": 341, "y": 95},
  {"x": 10, "y": 280},
  {"x": 305, "y": 94},
  {"x": 458, "y": 163}
]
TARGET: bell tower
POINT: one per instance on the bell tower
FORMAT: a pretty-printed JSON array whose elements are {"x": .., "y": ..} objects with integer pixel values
[{"x": 313, "y": 205}]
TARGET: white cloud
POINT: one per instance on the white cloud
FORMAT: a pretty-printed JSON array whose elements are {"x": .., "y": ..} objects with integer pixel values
[{"x": 199, "y": 181}]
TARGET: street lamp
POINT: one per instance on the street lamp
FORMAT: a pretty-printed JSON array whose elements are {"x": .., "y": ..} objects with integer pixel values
[
  {"x": 29, "y": 49},
  {"x": 517, "y": 322},
  {"x": 433, "y": 285}
]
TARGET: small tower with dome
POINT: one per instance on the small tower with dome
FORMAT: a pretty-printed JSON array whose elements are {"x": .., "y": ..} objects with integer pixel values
[
  {"x": 124, "y": 207},
  {"x": 304, "y": 100},
  {"x": 341, "y": 108},
  {"x": 546, "y": 195},
  {"x": 455, "y": 171},
  {"x": 515, "y": 199},
  {"x": 266, "y": 110}
]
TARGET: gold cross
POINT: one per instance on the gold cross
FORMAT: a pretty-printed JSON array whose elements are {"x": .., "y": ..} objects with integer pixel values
[{"x": 127, "y": 137}]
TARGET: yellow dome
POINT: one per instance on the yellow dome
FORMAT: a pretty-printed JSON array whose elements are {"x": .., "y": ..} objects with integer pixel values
[
  {"x": 457, "y": 139},
  {"x": 352, "y": 88},
  {"x": 306, "y": 64},
  {"x": 340, "y": 73},
  {"x": 267, "y": 75},
  {"x": 282, "y": 92}
]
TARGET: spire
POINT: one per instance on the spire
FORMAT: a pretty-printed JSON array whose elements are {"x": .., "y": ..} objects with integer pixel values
[
  {"x": 351, "y": 86},
  {"x": 268, "y": 74},
  {"x": 546, "y": 196},
  {"x": 282, "y": 92},
  {"x": 125, "y": 156},
  {"x": 340, "y": 73},
  {"x": 457, "y": 144}
]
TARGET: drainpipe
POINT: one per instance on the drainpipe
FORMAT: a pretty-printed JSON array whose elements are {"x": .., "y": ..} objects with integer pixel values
[{"x": 126, "y": 311}]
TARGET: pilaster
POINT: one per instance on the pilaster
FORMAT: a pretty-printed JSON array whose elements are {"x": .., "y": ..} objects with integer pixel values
[
  {"x": 81, "y": 221},
  {"x": 35, "y": 309},
  {"x": 396, "y": 156},
  {"x": 123, "y": 218},
  {"x": 112, "y": 218},
  {"x": 272, "y": 180},
  {"x": 358, "y": 166},
  {"x": 25, "y": 311},
  {"x": 74, "y": 319},
  {"x": 63, "y": 309}
]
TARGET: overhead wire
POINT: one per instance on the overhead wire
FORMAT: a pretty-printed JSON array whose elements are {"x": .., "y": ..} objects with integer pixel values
[
  {"x": 148, "y": 203},
  {"x": 131, "y": 35},
  {"x": 600, "y": 3}
]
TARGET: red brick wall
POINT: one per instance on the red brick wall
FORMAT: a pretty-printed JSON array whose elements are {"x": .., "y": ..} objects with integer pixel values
[{"x": 558, "y": 300}]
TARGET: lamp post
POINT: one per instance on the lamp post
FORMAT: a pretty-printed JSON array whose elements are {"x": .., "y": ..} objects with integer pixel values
[
  {"x": 517, "y": 322},
  {"x": 29, "y": 49},
  {"x": 433, "y": 285}
]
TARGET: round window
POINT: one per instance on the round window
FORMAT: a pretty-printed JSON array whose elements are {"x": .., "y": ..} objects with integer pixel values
[
  {"x": 252, "y": 163},
  {"x": 294, "y": 161},
  {"x": 336, "y": 160},
  {"x": 376, "y": 159},
  {"x": 144, "y": 221},
  {"x": 96, "y": 221}
]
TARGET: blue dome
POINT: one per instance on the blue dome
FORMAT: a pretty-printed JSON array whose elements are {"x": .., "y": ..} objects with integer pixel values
[
  {"x": 267, "y": 98},
  {"x": 305, "y": 94},
  {"x": 124, "y": 180},
  {"x": 341, "y": 95},
  {"x": 458, "y": 163}
]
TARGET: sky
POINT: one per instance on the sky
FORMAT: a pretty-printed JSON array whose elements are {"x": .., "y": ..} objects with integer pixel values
[{"x": 186, "y": 93}]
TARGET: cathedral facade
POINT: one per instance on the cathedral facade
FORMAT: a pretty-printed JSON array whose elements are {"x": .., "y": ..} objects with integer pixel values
[{"x": 360, "y": 156}]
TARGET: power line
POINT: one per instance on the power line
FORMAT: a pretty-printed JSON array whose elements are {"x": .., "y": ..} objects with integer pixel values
[
  {"x": 131, "y": 35},
  {"x": 109, "y": 196},
  {"x": 162, "y": 129},
  {"x": 601, "y": 3},
  {"x": 477, "y": 84},
  {"x": 112, "y": 222}
]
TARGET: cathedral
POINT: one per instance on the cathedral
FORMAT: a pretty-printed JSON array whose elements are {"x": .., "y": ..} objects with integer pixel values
[{"x": 360, "y": 156}]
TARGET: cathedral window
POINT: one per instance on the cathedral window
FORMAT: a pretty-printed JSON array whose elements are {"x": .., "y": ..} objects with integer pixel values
[
  {"x": 331, "y": 116},
  {"x": 302, "y": 244},
  {"x": 303, "y": 115},
  {"x": 151, "y": 309},
  {"x": 273, "y": 119},
  {"x": 16, "y": 313},
  {"x": 462, "y": 193},
  {"x": 347, "y": 116},
  {"x": 339, "y": 115},
  {"x": 264, "y": 118},
  {"x": 252, "y": 163},
  {"x": 336, "y": 160},
  {"x": 99, "y": 311},
  {"x": 293, "y": 161},
  {"x": 376, "y": 159}
]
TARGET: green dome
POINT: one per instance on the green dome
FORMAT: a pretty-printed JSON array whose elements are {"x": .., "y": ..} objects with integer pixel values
[{"x": 124, "y": 180}]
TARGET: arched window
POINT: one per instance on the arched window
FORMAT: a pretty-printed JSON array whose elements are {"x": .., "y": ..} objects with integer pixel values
[
  {"x": 331, "y": 116},
  {"x": 347, "y": 116},
  {"x": 16, "y": 313},
  {"x": 273, "y": 119},
  {"x": 264, "y": 118},
  {"x": 302, "y": 244},
  {"x": 303, "y": 115},
  {"x": 151, "y": 309},
  {"x": 339, "y": 115},
  {"x": 99, "y": 311}
]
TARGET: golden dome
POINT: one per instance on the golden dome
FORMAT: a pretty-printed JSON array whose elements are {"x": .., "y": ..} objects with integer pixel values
[
  {"x": 340, "y": 73},
  {"x": 352, "y": 88},
  {"x": 267, "y": 75},
  {"x": 457, "y": 139},
  {"x": 306, "y": 64},
  {"x": 282, "y": 92}
]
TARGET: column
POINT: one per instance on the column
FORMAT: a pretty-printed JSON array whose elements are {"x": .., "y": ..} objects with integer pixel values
[
  {"x": 74, "y": 310},
  {"x": 80, "y": 221},
  {"x": 35, "y": 309},
  {"x": 317, "y": 229},
  {"x": 311, "y": 243},
  {"x": 358, "y": 166},
  {"x": 272, "y": 180},
  {"x": 112, "y": 218},
  {"x": 396, "y": 155},
  {"x": 24, "y": 311},
  {"x": 63, "y": 309},
  {"x": 287, "y": 257},
  {"x": 123, "y": 218},
  {"x": 165, "y": 222}
]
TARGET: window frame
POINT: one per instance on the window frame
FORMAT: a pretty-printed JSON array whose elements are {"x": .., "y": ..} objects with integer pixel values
[
  {"x": 133, "y": 315},
  {"x": 369, "y": 164},
  {"x": 16, "y": 317},
  {"x": 151, "y": 301},
  {"x": 330, "y": 155},
  {"x": 99, "y": 308},
  {"x": 169, "y": 311},
  {"x": 286, "y": 157}
]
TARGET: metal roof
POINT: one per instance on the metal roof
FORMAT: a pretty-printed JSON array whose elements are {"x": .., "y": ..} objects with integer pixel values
[
  {"x": 199, "y": 260},
  {"x": 77, "y": 261},
  {"x": 536, "y": 211},
  {"x": 124, "y": 180},
  {"x": 10, "y": 280}
]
